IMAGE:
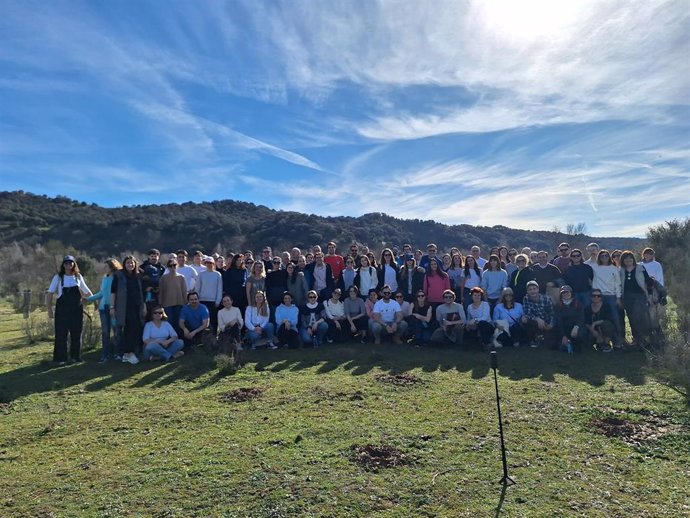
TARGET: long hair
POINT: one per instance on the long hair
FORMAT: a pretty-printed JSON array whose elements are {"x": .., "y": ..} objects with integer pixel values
[
  {"x": 263, "y": 308},
  {"x": 390, "y": 263},
  {"x": 113, "y": 264},
  {"x": 75, "y": 269},
  {"x": 439, "y": 269},
  {"x": 135, "y": 271},
  {"x": 476, "y": 267}
]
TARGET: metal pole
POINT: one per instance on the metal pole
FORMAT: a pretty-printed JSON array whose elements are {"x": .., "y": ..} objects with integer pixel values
[{"x": 505, "y": 480}]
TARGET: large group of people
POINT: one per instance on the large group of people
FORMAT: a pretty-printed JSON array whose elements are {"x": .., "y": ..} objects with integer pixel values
[{"x": 157, "y": 310}]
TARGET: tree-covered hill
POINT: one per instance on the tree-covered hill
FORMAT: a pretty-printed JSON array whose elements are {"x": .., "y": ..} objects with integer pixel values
[{"x": 233, "y": 225}]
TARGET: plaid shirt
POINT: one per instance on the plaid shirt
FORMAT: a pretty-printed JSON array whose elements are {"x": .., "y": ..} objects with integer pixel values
[{"x": 543, "y": 309}]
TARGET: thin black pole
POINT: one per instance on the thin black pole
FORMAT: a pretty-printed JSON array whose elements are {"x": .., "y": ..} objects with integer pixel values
[{"x": 505, "y": 480}]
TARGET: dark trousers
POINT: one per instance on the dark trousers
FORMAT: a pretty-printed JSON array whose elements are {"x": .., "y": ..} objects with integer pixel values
[
  {"x": 213, "y": 315},
  {"x": 534, "y": 334},
  {"x": 69, "y": 319},
  {"x": 288, "y": 336},
  {"x": 132, "y": 330},
  {"x": 637, "y": 310}
]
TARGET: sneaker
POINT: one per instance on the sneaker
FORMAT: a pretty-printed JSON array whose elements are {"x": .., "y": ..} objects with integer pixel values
[
  {"x": 329, "y": 340},
  {"x": 133, "y": 359},
  {"x": 117, "y": 358},
  {"x": 606, "y": 349},
  {"x": 125, "y": 357},
  {"x": 271, "y": 346},
  {"x": 103, "y": 360},
  {"x": 61, "y": 364},
  {"x": 516, "y": 344},
  {"x": 534, "y": 345},
  {"x": 239, "y": 348}
]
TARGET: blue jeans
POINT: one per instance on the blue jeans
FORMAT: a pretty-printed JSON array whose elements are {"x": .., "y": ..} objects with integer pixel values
[
  {"x": 255, "y": 337},
  {"x": 612, "y": 303},
  {"x": 156, "y": 349},
  {"x": 583, "y": 297},
  {"x": 110, "y": 345},
  {"x": 321, "y": 330}
]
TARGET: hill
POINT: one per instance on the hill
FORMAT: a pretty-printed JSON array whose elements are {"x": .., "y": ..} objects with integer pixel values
[{"x": 233, "y": 225}]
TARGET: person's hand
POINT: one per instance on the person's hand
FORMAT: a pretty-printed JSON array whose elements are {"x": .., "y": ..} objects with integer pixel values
[
  {"x": 573, "y": 333},
  {"x": 337, "y": 325},
  {"x": 619, "y": 302},
  {"x": 50, "y": 314},
  {"x": 564, "y": 340},
  {"x": 353, "y": 328},
  {"x": 188, "y": 335},
  {"x": 523, "y": 320}
]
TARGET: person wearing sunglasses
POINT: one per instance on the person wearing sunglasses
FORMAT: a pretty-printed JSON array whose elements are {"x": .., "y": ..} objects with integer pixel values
[
  {"x": 451, "y": 320},
  {"x": 562, "y": 260},
  {"x": 421, "y": 323},
  {"x": 607, "y": 280},
  {"x": 599, "y": 322},
  {"x": 160, "y": 339},
  {"x": 71, "y": 289},
  {"x": 356, "y": 314},
  {"x": 388, "y": 318},
  {"x": 313, "y": 325}
]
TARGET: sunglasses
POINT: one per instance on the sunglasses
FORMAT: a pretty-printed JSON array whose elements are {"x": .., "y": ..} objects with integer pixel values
[
  {"x": 311, "y": 297},
  {"x": 447, "y": 296},
  {"x": 421, "y": 296},
  {"x": 157, "y": 312},
  {"x": 398, "y": 296},
  {"x": 386, "y": 293},
  {"x": 596, "y": 296}
]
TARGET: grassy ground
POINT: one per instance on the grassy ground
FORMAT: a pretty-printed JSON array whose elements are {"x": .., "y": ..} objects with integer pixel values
[{"x": 161, "y": 440}]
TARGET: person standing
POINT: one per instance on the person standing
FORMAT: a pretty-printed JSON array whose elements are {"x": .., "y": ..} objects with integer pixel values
[
  {"x": 70, "y": 287},
  {"x": 108, "y": 352},
  {"x": 129, "y": 308},
  {"x": 335, "y": 261},
  {"x": 172, "y": 293},
  {"x": 210, "y": 283}
]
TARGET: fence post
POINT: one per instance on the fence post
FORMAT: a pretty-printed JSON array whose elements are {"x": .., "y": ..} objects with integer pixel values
[{"x": 27, "y": 303}]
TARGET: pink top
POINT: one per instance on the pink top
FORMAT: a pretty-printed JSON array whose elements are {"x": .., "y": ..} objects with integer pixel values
[{"x": 435, "y": 285}]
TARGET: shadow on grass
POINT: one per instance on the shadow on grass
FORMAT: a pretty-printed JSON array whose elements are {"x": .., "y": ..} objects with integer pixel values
[
  {"x": 46, "y": 376},
  {"x": 515, "y": 364}
]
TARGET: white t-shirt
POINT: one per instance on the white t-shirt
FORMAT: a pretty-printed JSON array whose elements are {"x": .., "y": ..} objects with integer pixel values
[
  {"x": 390, "y": 277},
  {"x": 190, "y": 276},
  {"x": 387, "y": 310},
  {"x": 163, "y": 332},
  {"x": 229, "y": 316},
  {"x": 69, "y": 281}
]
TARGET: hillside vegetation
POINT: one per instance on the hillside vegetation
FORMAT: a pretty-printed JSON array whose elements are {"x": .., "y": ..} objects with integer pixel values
[{"x": 233, "y": 225}]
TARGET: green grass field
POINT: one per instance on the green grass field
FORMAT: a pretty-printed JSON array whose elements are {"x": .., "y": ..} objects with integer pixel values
[{"x": 156, "y": 440}]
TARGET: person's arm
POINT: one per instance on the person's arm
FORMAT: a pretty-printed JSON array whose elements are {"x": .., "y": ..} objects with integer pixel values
[
  {"x": 327, "y": 310},
  {"x": 248, "y": 289},
  {"x": 219, "y": 289},
  {"x": 146, "y": 337}
]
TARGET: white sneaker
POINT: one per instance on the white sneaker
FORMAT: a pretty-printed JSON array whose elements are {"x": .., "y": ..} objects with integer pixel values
[
  {"x": 125, "y": 358},
  {"x": 133, "y": 359}
]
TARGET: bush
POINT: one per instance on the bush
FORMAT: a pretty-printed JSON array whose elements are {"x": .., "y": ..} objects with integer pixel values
[{"x": 37, "y": 328}]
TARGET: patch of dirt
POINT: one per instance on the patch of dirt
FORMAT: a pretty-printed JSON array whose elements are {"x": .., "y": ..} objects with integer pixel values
[
  {"x": 373, "y": 457},
  {"x": 241, "y": 394},
  {"x": 635, "y": 432},
  {"x": 399, "y": 379}
]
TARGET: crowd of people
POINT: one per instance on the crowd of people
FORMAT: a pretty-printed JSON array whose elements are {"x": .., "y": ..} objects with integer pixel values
[{"x": 158, "y": 310}]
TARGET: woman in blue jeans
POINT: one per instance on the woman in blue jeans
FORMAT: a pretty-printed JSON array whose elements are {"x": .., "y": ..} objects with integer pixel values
[
  {"x": 160, "y": 339},
  {"x": 110, "y": 345}
]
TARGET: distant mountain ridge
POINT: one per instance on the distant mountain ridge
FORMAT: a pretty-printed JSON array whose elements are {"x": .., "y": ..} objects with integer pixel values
[{"x": 234, "y": 225}]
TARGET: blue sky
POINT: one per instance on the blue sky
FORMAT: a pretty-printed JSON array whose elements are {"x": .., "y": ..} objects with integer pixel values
[{"x": 529, "y": 114}]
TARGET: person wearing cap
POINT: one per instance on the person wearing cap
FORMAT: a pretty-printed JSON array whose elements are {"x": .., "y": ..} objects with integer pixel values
[
  {"x": 70, "y": 287},
  {"x": 570, "y": 320},
  {"x": 653, "y": 267},
  {"x": 210, "y": 290},
  {"x": 538, "y": 317}
]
